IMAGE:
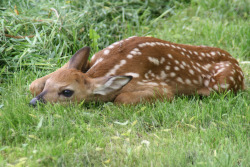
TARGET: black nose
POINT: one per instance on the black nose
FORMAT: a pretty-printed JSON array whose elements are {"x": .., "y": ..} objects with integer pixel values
[
  {"x": 37, "y": 99},
  {"x": 33, "y": 102}
]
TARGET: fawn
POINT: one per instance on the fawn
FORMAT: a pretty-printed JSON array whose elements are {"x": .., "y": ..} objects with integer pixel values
[{"x": 140, "y": 69}]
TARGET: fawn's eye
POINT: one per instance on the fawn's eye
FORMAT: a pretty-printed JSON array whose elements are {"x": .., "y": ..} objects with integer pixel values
[{"x": 67, "y": 92}]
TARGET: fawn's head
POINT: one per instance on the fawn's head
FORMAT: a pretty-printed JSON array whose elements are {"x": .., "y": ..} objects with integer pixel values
[{"x": 71, "y": 84}]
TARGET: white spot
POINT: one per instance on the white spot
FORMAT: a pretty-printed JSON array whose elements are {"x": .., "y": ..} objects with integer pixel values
[
  {"x": 163, "y": 84},
  {"x": 215, "y": 87},
  {"x": 93, "y": 57},
  {"x": 241, "y": 73},
  {"x": 219, "y": 71},
  {"x": 154, "y": 60},
  {"x": 217, "y": 67},
  {"x": 196, "y": 53},
  {"x": 224, "y": 86},
  {"x": 151, "y": 84},
  {"x": 188, "y": 81},
  {"x": 232, "y": 79},
  {"x": 163, "y": 75},
  {"x": 134, "y": 75},
  {"x": 176, "y": 61},
  {"x": 136, "y": 49},
  {"x": 178, "y": 47},
  {"x": 131, "y": 37},
  {"x": 123, "y": 62},
  {"x": 222, "y": 65},
  {"x": 176, "y": 68},
  {"x": 198, "y": 64},
  {"x": 140, "y": 83},
  {"x": 97, "y": 61},
  {"x": 142, "y": 45},
  {"x": 129, "y": 56},
  {"x": 153, "y": 43},
  {"x": 202, "y": 54},
  {"x": 208, "y": 55},
  {"x": 162, "y": 60},
  {"x": 106, "y": 52},
  {"x": 236, "y": 86},
  {"x": 233, "y": 72},
  {"x": 150, "y": 73},
  {"x": 182, "y": 67},
  {"x": 190, "y": 52},
  {"x": 191, "y": 71},
  {"x": 198, "y": 69},
  {"x": 195, "y": 81},
  {"x": 173, "y": 46},
  {"x": 213, "y": 53},
  {"x": 133, "y": 52},
  {"x": 218, "y": 53},
  {"x": 210, "y": 89},
  {"x": 172, "y": 74},
  {"x": 111, "y": 46},
  {"x": 179, "y": 79},
  {"x": 207, "y": 66},
  {"x": 200, "y": 57},
  {"x": 184, "y": 49},
  {"x": 200, "y": 79},
  {"x": 239, "y": 78},
  {"x": 206, "y": 83},
  {"x": 183, "y": 62},
  {"x": 116, "y": 67},
  {"x": 167, "y": 44},
  {"x": 116, "y": 43},
  {"x": 167, "y": 67},
  {"x": 183, "y": 53},
  {"x": 170, "y": 56}
]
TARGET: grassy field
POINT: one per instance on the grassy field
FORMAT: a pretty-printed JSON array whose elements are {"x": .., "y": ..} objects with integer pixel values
[{"x": 212, "y": 131}]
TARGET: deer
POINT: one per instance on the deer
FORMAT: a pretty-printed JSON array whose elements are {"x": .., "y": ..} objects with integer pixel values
[{"x": 138, "y": 70}]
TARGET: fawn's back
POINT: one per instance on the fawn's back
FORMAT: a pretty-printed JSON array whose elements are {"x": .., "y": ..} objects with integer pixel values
[{"x": 157, "y": 63}]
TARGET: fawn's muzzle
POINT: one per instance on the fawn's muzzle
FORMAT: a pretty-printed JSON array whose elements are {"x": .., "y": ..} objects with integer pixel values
[{"x": 37, "y": 99}]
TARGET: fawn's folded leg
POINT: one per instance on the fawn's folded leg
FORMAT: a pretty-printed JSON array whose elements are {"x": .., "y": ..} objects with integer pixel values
[{"x": 143, "y": 96}]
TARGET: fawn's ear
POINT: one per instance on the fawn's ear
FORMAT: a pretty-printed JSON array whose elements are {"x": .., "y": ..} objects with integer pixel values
[
  {"x": 80, "y": 59},
  {"x": 105, "y": 86}
]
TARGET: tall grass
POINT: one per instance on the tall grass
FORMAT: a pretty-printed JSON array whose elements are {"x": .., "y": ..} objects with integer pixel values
[{"x": 190, "y": 131}]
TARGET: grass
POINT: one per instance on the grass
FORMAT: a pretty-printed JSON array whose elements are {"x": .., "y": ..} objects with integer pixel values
[{"x": 212, "y": 131}]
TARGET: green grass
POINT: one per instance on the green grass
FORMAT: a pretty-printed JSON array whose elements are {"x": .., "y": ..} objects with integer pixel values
[{"x": 212, "y": 131}]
